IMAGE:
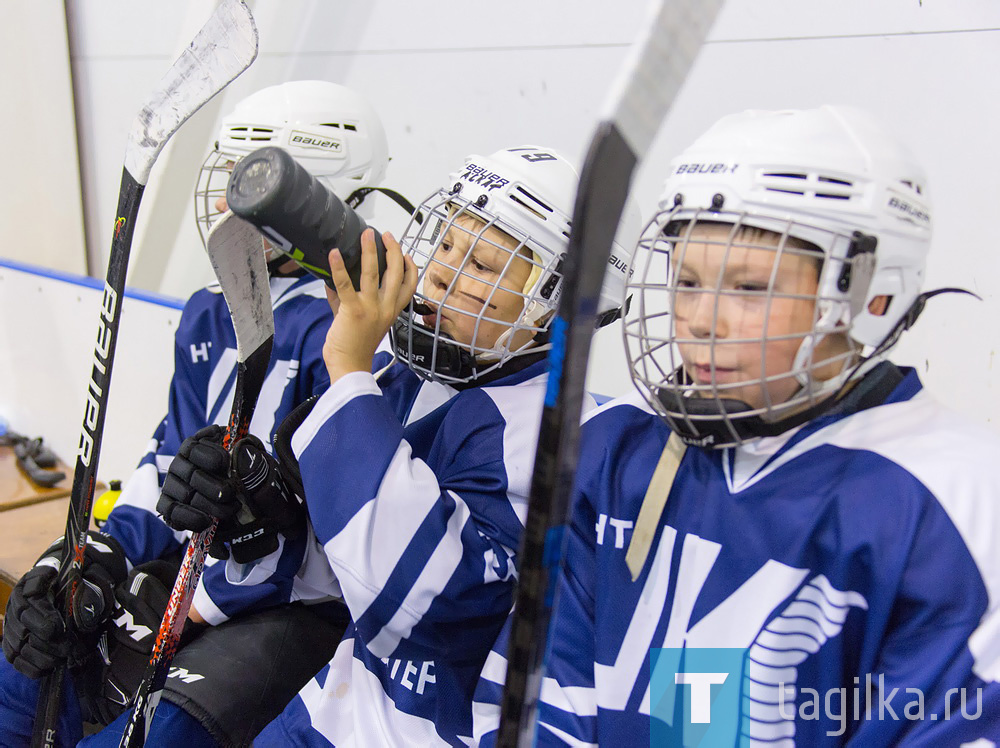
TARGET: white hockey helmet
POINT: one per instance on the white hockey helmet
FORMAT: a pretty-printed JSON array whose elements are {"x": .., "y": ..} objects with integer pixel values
[
  {"x": 329, "y": 129},
  {"x": 831, "y": 180},
  {"x": 526, "y": 192}
]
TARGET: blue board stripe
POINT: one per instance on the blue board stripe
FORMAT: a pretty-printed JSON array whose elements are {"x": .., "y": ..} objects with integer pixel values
[{"x": 149, "y": 297}]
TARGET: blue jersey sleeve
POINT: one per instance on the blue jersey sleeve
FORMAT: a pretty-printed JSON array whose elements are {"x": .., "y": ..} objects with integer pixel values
[
  {"x": 419, "y": 526},
  {"x": 926, "y": 689}
]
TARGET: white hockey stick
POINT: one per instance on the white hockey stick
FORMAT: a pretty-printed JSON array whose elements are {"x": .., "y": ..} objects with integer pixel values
[
  {"x": 223, "y": 49},
  {"x": 237, "y": 255},
  {"x": 647, "y": 84}
]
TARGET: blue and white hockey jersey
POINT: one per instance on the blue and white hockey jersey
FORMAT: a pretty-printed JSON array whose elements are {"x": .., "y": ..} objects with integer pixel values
[
  {"x": 417, "y": 494},
  {"x": 853, "y": 560},
  {"x": 201, "y": 393}
]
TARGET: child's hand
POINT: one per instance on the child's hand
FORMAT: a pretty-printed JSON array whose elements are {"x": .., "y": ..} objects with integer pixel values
[{"x": 365, "y": 316}]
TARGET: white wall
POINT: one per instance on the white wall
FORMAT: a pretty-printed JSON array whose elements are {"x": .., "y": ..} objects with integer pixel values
[
  {"x": 453, "y": 78},
  {"x": 48, "y": 337},
  {"x": 40, "y": 202}
]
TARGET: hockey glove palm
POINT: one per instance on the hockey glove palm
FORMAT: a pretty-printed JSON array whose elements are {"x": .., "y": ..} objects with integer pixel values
[{"x": 36, "y": 637}]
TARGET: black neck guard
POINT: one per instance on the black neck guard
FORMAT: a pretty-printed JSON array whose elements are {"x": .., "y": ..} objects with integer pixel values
[
  {"x": 417, "y": 346},
  {"x": 711, "y": 423}
]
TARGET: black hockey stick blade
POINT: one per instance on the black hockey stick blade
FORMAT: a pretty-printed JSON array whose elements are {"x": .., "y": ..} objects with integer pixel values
[
  {"x": 648, "y": 83},
  {"x": 224, "y": 48},
  {"x": 237, "y": 256}
]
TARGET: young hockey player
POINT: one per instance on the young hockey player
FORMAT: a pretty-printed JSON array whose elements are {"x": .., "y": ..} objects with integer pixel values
[
  {"x": 294, "y": 116},
  {"x": 824, "y": 570},
  {"x": 416, "y": 476}
]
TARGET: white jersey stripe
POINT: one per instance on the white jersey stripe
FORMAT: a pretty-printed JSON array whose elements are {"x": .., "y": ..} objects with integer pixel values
[{"x": 435, "y": 575}]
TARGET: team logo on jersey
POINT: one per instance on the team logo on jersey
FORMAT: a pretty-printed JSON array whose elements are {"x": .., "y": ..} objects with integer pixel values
[{"x": 780, "y": 615}]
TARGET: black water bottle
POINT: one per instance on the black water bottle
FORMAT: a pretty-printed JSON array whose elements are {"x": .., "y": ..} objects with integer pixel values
[{"x": 297, "y": 213}]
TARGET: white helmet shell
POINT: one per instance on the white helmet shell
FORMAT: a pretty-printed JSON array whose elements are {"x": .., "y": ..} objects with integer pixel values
[
  {"x": 532, "y": 189},
  {"x": 817, "y": 174},
  {"x": 332, "y": 131}
]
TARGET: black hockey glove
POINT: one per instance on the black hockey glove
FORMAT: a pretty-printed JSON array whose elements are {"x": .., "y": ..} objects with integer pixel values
[
  {"x": 267, "y": 505},
  {"x": 36, "y": 637},
  {"x": 110, "y": 679},
  {"x": 245, "y": 492},
  {"x": 198, "y": 488}
]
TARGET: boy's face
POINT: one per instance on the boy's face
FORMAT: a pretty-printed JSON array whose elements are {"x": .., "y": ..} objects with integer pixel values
[
  {"x": 741, "y": 313},
  {"x": 490, "y": 284}
]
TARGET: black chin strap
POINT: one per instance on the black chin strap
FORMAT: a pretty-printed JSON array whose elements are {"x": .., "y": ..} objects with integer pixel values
[
  {"x": 417, "y": 344},
  {"x": 273, "y": 267}
]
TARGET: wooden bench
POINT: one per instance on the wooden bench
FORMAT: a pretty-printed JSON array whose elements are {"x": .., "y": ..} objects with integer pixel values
[{"x": 31, "y": 517}]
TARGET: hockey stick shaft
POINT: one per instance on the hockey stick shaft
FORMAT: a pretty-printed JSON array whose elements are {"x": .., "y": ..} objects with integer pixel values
[
  {"x": 236, "y": 253},
  {"x": 648, "y": 83},
  {"x": 223, "y": 48},
  {"x": 85, "y": 471}
]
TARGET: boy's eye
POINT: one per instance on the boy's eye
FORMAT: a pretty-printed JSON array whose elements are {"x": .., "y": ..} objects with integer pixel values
[
  {"x": 752, "y": 286},
  {"x": 686, "y": 283},
  {"x": 445, "y": 246},
  {"x": 480, "y": 266}
]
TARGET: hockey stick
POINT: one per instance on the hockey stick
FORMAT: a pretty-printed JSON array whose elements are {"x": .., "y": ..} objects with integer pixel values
[
  {"x": 224, "y": 48},
  {"x": 237, "y": 255},
  {"x": 647, "y": 84}
]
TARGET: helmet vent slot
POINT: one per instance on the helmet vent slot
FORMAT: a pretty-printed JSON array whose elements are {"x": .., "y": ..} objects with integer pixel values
[
  {"x": 531, "y": 207},
  {"x": 340, "y": 126},
  {"x": 799, "y": 183},
  {"x": 251, "y": 133}
]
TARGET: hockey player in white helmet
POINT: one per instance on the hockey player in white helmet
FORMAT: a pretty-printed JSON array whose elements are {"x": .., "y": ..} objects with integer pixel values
[
  {"x": 459, "y": 328},
  {"x": 416, "y": 471},
  {"x": 338, "y": 137},
  {"x": 781, "y": 538},
  {"x": 331, "y": 130}
]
